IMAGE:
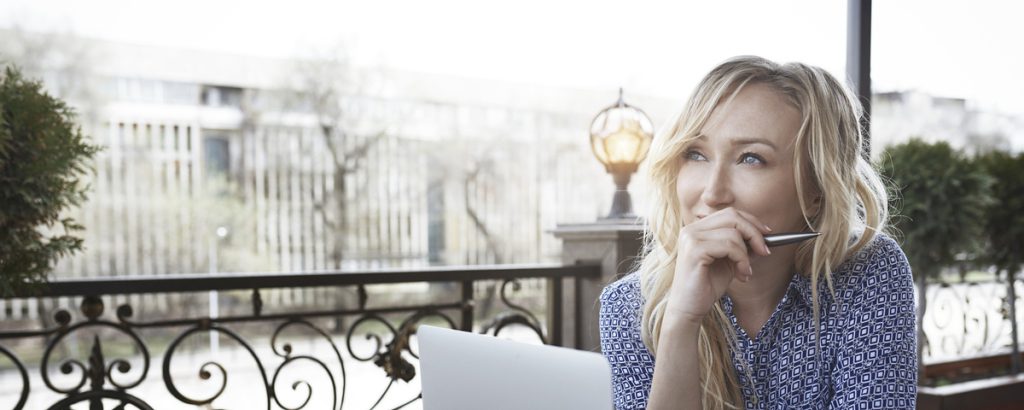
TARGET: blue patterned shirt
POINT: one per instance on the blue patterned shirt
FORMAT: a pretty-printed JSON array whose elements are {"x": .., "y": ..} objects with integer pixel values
[{"x": 868, "y": 340}]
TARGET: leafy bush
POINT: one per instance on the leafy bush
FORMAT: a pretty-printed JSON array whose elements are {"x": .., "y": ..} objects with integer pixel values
[
  {"x": 42, "y": 156},
  {"x": 941, "y": 197},
  {"x": 1004, "y": 219}
]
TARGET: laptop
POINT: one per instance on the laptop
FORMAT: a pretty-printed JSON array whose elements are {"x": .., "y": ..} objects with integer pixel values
[{"x": 468, "y": 371}]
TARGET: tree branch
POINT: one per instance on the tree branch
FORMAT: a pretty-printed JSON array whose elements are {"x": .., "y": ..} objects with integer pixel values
[
  {"x": 357, "y": 154},
  {"x": 477, "y": 221}
]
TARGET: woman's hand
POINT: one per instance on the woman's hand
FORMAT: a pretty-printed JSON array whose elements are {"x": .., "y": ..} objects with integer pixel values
[{"x": 711, "y": 253}]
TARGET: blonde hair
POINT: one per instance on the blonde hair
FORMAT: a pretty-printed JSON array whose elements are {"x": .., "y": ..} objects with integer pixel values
[{"x": 853, "y": 201}]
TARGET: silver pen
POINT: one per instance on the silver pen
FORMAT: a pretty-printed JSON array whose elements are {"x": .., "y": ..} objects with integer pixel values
[{"x": 779, "y": 239}]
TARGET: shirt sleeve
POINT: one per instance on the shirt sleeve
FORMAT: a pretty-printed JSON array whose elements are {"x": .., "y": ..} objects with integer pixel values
[
  {"x": 631, "y": 363},
  {"x": 876, "y": 364}
]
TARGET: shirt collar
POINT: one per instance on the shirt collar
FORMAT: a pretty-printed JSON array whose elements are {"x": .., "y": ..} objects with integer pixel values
[
  {"x": 799, "y": 291},
  {"x": 801, "y": 287}
]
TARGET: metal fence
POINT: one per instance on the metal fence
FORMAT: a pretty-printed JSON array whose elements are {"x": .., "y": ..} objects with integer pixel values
[
  {"x": 91, "y": 355},
  {"x": 969, "y": 318}
]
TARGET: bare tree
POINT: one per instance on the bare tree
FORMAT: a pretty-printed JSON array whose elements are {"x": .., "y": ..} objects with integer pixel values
[
  {"x": 321, "y": 87},
  {"x": 477, "y": 169},
  {"x": 477, "y": 173},
  {"x": 324, "y": 87}
]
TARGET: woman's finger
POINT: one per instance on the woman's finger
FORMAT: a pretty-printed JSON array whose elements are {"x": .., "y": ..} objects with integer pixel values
[
  {"x": 749, "y": 226},
  {"x": 724, "y": 243},
  {"x": 754, "y": 220}
]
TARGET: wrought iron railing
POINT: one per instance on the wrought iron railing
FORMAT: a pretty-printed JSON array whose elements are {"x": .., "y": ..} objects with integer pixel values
[
  {"x": 969, "y": 318},
  {"x": 106, "y": 379},
  {"x": 970, "y": 330}
]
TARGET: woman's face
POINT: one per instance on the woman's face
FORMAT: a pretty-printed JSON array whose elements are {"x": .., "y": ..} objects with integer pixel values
[{"x": 744, "y": 159}]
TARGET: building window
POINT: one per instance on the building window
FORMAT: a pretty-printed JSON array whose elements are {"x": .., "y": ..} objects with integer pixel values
[
  {"x": 216, "y": 155},
  {"x": 218, "y": 96}
]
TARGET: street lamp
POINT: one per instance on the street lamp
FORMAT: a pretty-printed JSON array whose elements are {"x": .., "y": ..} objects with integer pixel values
[
  {"x": 214, "y": 297},
  {"x": 620, "y": 136}
]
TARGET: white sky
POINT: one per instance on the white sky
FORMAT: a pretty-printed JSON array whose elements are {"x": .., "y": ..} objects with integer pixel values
[{"x": 946, "y": 48}]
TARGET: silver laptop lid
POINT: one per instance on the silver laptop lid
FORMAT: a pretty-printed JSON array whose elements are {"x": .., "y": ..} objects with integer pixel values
[{"x": 463, "y": 370}]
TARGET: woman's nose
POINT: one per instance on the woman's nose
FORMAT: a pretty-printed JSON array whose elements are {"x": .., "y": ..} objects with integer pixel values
[{"x": 717, "y": 189}]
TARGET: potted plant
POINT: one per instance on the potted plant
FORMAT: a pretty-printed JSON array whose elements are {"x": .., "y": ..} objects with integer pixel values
[
  {"x": 939, "y": 198},
  {"x": 43, "y": 155}
]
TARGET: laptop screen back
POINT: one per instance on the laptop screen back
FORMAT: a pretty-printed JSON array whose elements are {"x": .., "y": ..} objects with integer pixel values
[{"x": 463, "y": 370}]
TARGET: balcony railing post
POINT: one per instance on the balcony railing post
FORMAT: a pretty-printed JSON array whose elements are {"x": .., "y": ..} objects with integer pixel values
[
  {"x": 467, "y": 305},
  {"x": 555, "y": 311},
  {"x": 615, "y": 245},
  {"x": 1011, "y": 297}
]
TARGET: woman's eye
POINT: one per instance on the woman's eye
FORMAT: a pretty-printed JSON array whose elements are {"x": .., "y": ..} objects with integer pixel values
[
  {"x": 751, "y": 159},
  {"x": 694, "y": 156}
]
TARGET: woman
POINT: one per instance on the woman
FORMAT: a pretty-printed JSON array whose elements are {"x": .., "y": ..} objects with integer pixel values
[{"x": 713, "y": 318}]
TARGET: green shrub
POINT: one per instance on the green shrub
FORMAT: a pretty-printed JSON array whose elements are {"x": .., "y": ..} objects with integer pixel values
[
  {"x": 42, "y": 156},
  {"x": 1004, "y": 219},
  {"x": 940, "y": 201}
]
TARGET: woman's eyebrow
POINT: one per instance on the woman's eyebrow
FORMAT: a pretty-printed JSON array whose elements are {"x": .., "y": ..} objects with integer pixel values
[
  {"x": 748, "y": 141},
  {"x": 743, "y": 141}
]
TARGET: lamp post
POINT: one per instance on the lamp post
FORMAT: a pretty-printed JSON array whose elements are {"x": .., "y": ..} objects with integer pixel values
[
  {"x": 222, "y": 232},
  {"x": 620, "y": 136}
]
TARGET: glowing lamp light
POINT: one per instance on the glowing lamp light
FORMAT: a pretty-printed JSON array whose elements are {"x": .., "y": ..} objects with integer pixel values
[{"x": 620, "y": 137}]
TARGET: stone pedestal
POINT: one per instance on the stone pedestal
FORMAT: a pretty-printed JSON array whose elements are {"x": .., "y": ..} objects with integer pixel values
[{"x": 615, "y": 245}]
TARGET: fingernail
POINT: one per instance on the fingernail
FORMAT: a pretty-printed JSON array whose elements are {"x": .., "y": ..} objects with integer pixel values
[
  {"x": 768, "y": 228},
  {"x": 751, "y": 271},
  {"x": 769, "y": 251}
]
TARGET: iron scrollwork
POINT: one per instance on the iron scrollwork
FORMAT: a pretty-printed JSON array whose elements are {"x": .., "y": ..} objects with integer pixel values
[
  {"x": 515, "y": 315},
  {"x": 98, "y": 379},
  {"x": 967, "y": 318},
  {"x": 25, "y": 386},
  {"x": 97, "y": 372}
]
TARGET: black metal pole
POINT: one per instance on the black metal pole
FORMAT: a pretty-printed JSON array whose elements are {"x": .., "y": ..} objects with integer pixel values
[
  {"x": 556, "y": 308},
  {"x": 1011, "y": 296},
  {"x": 467, "y": 309},
  {"x": 922, "y": 300},
  {"x": 858, "y": 62}
]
